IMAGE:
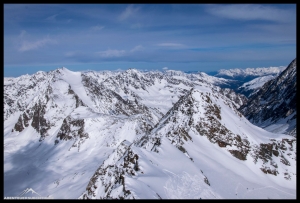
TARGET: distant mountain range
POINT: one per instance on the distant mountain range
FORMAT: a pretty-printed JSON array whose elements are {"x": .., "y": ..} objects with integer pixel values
[
  {"x": 246, "y": 81},
  {"x": 249, "y": 72}
]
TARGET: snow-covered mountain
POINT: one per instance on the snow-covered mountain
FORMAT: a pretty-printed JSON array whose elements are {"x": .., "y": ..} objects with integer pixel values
[
  {"x": 254, "y": 72},
  {"x": 247, "y": 81},
  {"x": 133, "y": 134},
  {"x": 273, "y": 106},
  {"x": 249, "y": 88},
  {"x": 201, "y": 138}
]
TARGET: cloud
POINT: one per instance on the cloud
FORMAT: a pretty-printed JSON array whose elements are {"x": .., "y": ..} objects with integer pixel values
[
  {"x": 170, "y": 45},
  {"x": 22, "y": 34},
  {"x": 110, "y": 53},
  {"x": 165, "y": 68},
  {"x": 26, "y": 45},
  {"x": 137, "y": 48},
  {"x": 114, "y": 53},
  {"x": 97, "y": 27},
  {"x": 52, "y": 18},
  {"x": 250, "y": 12},
  {"x": 129, "y": 11}
]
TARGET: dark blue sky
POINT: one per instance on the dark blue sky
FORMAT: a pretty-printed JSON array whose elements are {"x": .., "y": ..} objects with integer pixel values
[{"x": 199, "y": 37}]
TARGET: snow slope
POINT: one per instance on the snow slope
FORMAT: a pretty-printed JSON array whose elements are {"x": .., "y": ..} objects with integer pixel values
[{"x": 254, "y": 85}]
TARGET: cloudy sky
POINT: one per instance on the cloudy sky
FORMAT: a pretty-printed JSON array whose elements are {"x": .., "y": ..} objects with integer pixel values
[{"x": 199, "y": 37}]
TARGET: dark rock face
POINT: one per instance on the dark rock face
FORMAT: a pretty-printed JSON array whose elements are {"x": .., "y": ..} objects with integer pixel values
[
  {"x": 36, "y": 116},
  {"x": 38, "y": 121},
  {"x": 275, "y": 101},
  {"x": 19, "y": 125},
  {"x": 238, "y": 154},
  {"x": 72, "y": 128}
]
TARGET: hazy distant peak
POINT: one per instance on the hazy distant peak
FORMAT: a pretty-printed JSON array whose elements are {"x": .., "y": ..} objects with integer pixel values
[{"x": 250, "y": 71}]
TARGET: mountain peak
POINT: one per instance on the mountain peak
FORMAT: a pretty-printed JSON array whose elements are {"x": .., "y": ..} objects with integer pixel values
[
  {"x": 63, "y": 70},
  {"x": 132, "y": 70}
]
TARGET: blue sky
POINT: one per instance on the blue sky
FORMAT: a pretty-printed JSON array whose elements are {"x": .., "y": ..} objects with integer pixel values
[{"x": 188, "y": 37}]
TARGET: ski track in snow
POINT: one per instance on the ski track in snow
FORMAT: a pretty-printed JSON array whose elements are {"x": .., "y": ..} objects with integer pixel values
[{"x": 250, "y": 190}]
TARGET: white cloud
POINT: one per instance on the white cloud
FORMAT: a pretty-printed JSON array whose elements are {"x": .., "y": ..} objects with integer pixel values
[
  {"x": 23, "y": 33},
  {"x": 111, "y": 53},
  {"x": 137, "y": 48},
  {"x": 52, "y": 18},
  {"x": 26, "y": 45},
  {"x": 129, "y": 11},
  {"x": 170, "y": 45},
  {"x": 250, "y": 12},
  {"x": 165, "y": 68},
  {"x": 97, "y": 27}
]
